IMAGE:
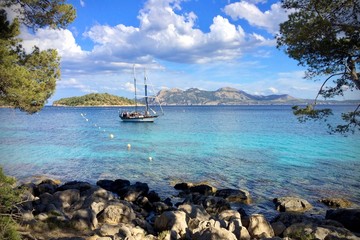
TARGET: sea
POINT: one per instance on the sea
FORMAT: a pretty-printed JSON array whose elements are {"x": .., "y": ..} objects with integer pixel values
[{"x": 262, "y": 149}]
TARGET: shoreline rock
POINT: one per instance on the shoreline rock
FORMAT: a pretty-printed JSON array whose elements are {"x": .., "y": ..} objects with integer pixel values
[{"x": 121, "y": 210}]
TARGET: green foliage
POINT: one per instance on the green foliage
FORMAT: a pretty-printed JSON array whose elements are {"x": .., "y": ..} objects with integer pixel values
[
  {"x": 94, "y": 99},
  {"x": 43, "y": 13},
  {"x": 8, "y": 198},
  {"x": 325, "y": 36},
  {"x": 27, "y": 80}
]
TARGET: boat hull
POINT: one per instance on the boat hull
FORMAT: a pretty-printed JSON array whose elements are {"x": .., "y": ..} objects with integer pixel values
[{"x": 139, "y": 119}]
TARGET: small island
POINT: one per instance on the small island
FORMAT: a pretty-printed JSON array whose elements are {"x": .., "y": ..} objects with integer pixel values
[{"x": 94, "y": 99}]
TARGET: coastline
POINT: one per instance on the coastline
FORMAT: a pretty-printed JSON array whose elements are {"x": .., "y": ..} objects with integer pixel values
[{"x": 115, "y": 209}]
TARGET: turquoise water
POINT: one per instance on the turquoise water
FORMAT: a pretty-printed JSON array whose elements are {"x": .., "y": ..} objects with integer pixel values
[{"x": 262, "y": 149}]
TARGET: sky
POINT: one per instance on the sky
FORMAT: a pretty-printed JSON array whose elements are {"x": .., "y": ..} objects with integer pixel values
[{"x": 205, "y": 44}]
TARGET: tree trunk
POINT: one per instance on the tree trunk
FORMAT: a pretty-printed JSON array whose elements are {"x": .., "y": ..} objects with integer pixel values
[{"x": 353, "y": 74}]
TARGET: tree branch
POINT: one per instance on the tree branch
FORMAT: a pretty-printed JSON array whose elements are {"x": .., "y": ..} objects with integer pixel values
[{"x": 321, "y": 88}]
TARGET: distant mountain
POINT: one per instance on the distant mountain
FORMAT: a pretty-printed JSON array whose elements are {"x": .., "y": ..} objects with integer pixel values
[
  {"x": 94, "y": 99},
  {"x": 222, "y": 96}
]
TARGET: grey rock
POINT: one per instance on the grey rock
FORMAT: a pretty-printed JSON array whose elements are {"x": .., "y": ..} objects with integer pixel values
[
  {"x": 291, "y": 204},
  {"x": 259, "y": 227},
  {"x": 195, "y": 211},
  {"x": 234, "y": 195}
]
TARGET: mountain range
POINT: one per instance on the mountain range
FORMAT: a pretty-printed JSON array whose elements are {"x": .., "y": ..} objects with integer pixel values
[{"x": 222, "y": 96}]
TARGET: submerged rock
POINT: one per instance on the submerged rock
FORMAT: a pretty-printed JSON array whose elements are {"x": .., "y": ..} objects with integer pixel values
[
  {"x": 336, "y": 202},
  {"x": 234, "y": 195}
]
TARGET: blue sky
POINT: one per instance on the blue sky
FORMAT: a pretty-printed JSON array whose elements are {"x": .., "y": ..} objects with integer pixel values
[{"x": 205, "y": 44}]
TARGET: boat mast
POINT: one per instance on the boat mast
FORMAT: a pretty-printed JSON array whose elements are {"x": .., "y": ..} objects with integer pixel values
[
  {"x": 135, "y": 89},
  {"x": 146, "y": 97}
]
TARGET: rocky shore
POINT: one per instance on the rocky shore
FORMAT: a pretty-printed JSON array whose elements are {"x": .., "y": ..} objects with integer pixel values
[{"x": 119, "y": 209}]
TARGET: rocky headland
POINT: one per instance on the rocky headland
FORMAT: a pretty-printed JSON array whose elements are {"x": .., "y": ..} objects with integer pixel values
[{"x": 119, "y": 209}]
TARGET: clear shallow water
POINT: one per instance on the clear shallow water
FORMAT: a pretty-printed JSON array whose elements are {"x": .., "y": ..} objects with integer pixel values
[{"x": 262, "y": 149}]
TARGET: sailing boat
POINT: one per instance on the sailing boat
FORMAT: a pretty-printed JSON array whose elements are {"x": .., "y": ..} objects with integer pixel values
[{"x": 136, "y": 116}]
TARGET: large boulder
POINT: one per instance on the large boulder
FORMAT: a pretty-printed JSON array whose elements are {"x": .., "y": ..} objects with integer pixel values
[
  {"x": 117, "y": 212},
  {"x": 96, "y": 198},
  {"x": 132, "y": 192},
  {"x": 234, "y": 195},
  {"x": 350, "y": 218},
  {"x": 291, "y": 204},
  {"x": 118, "y": 186},
  {"x": 67, "y": 197},
  {"x": 81, "y": 186},
  {"x": 214, "y": 233},
  {"x": 195, "y": 211},
  {"x": 173, "y": 221},
  {"x": 201, "y": 188},
  {"x": 215, "y": 205},
  {"x": 259, "y": 227},
  {"x": 84, "y": 219},
  {"x": 311, "y": 231}
]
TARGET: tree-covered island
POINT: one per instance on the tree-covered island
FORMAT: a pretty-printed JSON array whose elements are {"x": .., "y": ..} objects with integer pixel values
[{"x": 94, "y": 99}]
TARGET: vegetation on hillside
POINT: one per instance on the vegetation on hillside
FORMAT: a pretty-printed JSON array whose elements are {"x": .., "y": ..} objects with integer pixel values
[{"x": 94, "y": 99}]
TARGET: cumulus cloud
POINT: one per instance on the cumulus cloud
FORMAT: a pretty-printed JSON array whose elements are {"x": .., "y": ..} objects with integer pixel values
[
  {"x": 269, "y": 20},
  {"x": 166, "y": 35},
  {"x": 162, "y": 34},
  {"x": 61, "y": 39}
]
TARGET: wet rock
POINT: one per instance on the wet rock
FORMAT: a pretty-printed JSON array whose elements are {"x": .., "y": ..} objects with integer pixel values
[
  {"x": 160, "y": 207},
  {"x": 81, "y": 186},
  {"x": 215, "y": 205},
  {"x": 202, "y": 189},
  {"x": 134, "y": 191},
  {"x": 291, "y": 204},
  {"x": 336, "y": 202},
  {"x": 45, "y": 188},
  {"x": 259, "y": 227},
  {"x": 234, "y": 195},
  {"x": 183, "y": 186},
  {"x": 153, "y": 196},
  {"x": 350, "y": 218}
]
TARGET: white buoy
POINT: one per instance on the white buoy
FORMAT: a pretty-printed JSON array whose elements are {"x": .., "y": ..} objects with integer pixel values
[
  {"x": 129, "y": 146},
  {"x": 111, "y": 135},
  {"x": 150, "y": 158}
]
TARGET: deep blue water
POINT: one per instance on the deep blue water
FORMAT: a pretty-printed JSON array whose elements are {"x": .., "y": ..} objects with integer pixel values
[{"x": 262, "y": 149}]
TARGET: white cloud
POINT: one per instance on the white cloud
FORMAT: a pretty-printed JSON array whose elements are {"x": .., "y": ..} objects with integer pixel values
[
  {"x": 75, "y": 84},
  {"x": 164, "y": 34},
  {"x": 82, "y": 3},
  {"x": 61, "y": 39},
  {"x": 268, "y": 20},
  {"x": 273, "y": 90}
]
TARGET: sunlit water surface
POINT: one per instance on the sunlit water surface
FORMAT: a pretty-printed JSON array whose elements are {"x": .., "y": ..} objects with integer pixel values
[{"x": 262, "y": 149}]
